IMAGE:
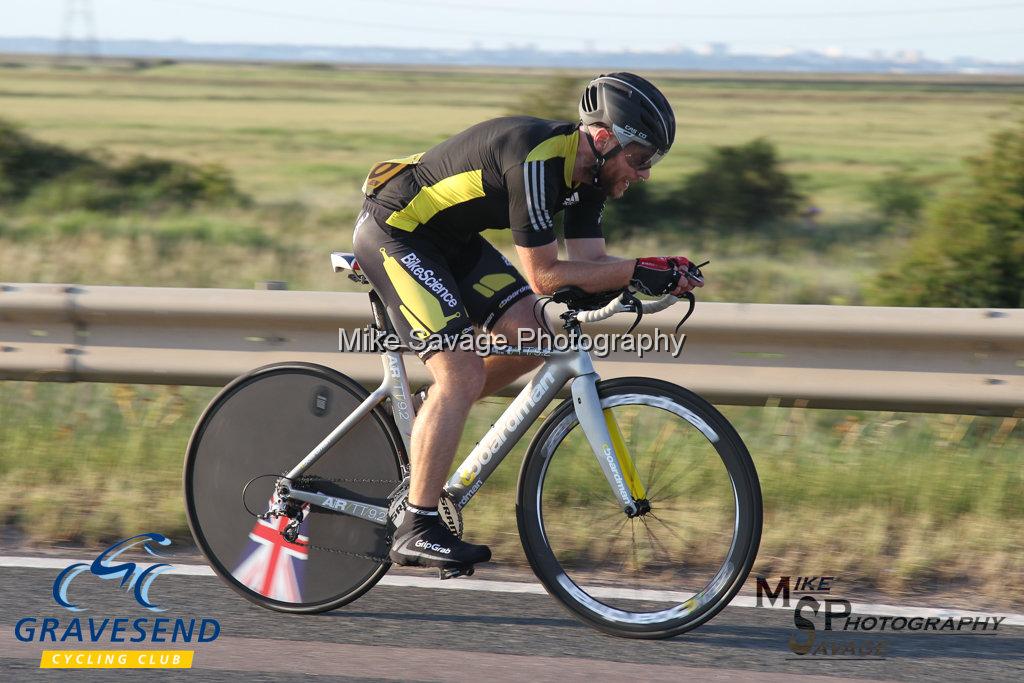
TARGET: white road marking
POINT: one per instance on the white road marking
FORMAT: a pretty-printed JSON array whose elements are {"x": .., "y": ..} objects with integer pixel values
[
  {"x": 409, "y": 581},
  {"x": 234, "y": 656}
]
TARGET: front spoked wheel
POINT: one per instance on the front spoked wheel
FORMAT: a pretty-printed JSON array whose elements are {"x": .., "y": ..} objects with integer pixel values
[{"x": 685, "y": 552}]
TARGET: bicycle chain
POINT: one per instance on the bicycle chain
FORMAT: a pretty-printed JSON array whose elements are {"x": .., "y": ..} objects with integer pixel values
[
  {"x": 300, "y": 480},
  {"x": 305, "y": 480},
  {"x": 359, "y": 556}
]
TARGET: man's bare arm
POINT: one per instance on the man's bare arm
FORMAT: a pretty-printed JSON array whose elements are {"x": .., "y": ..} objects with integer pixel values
[
  {"x": 591, "y": 249},
  {"x": 546, "y": 272}
]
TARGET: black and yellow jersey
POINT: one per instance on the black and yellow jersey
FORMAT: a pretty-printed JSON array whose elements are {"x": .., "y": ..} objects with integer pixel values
[{"x": 509, "y": 173}]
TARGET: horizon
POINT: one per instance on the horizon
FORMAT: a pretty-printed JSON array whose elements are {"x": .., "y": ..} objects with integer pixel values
[
  {"x": 680, "y": 59},
  {"x": 939, "y": 30}
]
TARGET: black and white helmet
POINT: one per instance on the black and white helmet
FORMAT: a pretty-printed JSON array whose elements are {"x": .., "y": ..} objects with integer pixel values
[{"x": 633, "y": 109}]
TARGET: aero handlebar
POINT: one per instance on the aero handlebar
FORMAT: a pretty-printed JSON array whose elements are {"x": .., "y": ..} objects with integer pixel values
[{"x": 618, "y": 305}]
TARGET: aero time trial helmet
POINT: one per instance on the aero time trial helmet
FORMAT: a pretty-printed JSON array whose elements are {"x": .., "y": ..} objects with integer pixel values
[{"x": 633, "y": 109}]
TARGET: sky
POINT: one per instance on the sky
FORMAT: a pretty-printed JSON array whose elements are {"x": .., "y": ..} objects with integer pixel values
[{"x": 943, "y": 29}]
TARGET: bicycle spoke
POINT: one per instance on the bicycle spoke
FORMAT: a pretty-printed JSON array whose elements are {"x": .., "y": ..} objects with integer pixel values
[
  {"x": 610, "y": 542},
  {"x": 610, "y": 514},
  {"x": 630, "y": 428},
  {"x": 678, "y": 546},
  {"x": 676, "y": 563},
  {"x": 656, "y": 495},
  {"x": 670, "y": 486},
  {"x": 660, "y": 440},
  {"x": 655, "y": 542},
  {"x": 667, "y": 527},
  {"x": 636, "y": 558},
  {"x": 621, "y": 560}
]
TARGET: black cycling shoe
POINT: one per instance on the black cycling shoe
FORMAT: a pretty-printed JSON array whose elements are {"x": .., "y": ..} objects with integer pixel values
[{"x": 422, "y": 540}]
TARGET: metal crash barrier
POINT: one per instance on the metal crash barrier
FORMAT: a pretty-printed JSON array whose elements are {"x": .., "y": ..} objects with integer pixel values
[{"x": 968, "y": 361}]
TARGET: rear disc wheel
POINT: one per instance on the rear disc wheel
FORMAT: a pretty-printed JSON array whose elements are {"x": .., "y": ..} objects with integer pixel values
[{"x": 257, "y": 429}]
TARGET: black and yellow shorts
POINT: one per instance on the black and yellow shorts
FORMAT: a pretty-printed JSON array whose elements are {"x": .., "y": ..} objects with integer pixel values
[{"x": 432, "y": 288}]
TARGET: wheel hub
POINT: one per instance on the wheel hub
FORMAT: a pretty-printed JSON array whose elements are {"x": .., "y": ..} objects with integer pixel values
[{"x": 643, "y": 506}]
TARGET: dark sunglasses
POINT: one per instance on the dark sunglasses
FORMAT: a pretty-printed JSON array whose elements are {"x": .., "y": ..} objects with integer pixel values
[{"x": 641, "y": 157}]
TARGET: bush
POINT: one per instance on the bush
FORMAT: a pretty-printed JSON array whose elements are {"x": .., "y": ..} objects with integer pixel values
[
  {"x": 970, "y": 252},
  {"x": 177, "y": 183},
  {"x": 740, "y": 187},
  {"x": 52, "y": 178},
  {"x": 897, "y": 196},
  {"x": 141, "y": 183},
  {"x": 640, "y": 211},
  {"x": 26, "y": 163},
  {"x": 557, "y": 99}
]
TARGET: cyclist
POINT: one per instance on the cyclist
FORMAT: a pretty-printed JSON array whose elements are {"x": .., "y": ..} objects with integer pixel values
[{"x": 417, "y": 240}]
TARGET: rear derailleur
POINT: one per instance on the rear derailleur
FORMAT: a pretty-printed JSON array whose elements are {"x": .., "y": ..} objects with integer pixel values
[{"x": 283, "y": 506}]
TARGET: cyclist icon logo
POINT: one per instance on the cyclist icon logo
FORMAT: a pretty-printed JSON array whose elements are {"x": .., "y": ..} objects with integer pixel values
[{"x": 133, "y": 577}]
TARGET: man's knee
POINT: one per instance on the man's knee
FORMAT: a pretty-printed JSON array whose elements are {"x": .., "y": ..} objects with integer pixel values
[
  {"x": 522, "y": 315},
  {"x": 457, "y": 376}
]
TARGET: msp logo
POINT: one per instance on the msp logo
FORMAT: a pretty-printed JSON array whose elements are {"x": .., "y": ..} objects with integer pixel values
[
  {"x": 135, "y": 579},
  {"x": 845, "y": 634},
  {"x": 806, "y": 641},
  {"x": 138, "y": 580}
]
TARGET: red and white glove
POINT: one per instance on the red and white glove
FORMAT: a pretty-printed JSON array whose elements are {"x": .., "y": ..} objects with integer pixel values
[{"x": 657, "y": 275}]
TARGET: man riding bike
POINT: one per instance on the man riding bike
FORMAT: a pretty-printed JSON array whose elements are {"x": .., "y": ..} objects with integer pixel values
[{"x": 418, "y": 241}]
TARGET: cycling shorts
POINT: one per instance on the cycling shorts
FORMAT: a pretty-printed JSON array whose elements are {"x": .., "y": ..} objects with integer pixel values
[{"x": 432, "y": 287}]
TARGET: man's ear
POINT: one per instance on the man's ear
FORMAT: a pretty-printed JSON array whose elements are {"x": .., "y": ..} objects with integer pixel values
[{"x": 601, "y": 139}]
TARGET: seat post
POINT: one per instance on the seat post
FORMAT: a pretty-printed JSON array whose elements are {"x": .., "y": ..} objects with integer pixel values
[{"x": 380, "y": 313}]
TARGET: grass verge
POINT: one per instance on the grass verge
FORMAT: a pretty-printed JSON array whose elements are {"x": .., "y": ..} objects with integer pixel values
[{"x": 897, "y": 502}]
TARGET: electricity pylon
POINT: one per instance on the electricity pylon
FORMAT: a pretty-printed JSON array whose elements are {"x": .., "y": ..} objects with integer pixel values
[{"x": 78, "y": 31}]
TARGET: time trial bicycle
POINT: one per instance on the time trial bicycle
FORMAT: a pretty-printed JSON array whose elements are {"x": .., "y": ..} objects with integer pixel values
[{"x": 638, "y": 505}]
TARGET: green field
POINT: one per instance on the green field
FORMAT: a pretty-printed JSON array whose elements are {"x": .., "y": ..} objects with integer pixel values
[
  {"x": 299, "y": 139},
  {"x": 899, "y": 502},
  {"x": 298, "y": 133}
]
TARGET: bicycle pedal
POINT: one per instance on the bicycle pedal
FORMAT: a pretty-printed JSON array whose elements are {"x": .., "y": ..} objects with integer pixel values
[{"x": 455, "y": 572}]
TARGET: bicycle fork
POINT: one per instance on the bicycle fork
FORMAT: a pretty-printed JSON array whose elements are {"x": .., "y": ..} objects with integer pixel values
[{"x": 606, "y": 441}]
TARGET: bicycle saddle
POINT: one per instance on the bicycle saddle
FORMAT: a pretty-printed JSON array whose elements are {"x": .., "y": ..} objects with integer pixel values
[{"x": 342, "y": 261}]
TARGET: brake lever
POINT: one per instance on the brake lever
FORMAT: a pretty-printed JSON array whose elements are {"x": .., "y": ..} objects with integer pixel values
[
  {"x": 636, "y": 306},
  {"x": 693, "y": 272},
  {"x": 693, "y": 304}
]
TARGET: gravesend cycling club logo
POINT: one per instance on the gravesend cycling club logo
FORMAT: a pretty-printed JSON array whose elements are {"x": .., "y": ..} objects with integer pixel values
[{"x": 136, "y": 580}]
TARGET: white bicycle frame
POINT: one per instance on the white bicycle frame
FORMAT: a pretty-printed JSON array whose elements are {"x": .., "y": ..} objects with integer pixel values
[{"x": 560, "y": 367}]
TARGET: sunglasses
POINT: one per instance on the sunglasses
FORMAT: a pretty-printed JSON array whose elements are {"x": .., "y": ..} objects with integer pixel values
[{"x": 641, "y": 157}]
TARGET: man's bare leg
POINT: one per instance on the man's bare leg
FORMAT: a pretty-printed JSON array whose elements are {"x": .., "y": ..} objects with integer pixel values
[
  {"x": 422, "y": 538},
  {"x": 503, "y": 370},
  {"x": 458, "y": 379}
]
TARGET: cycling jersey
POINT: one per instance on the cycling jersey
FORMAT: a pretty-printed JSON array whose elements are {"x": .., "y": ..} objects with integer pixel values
[
  {"x": 417, "y": 238},
  {"x": 513, "y": 172},
  {"x": 434, "y": 288}
]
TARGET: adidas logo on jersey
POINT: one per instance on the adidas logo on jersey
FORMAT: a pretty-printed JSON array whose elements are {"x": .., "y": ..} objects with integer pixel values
[{"x": 572, "y": 199}]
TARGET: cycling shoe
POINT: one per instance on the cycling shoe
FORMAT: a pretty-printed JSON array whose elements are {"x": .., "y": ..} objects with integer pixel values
[{"x": 424, "y": 541}]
